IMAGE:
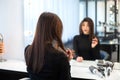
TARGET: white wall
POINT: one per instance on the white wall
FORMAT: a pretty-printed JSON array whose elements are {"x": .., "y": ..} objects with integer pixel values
[{"x": 11, "y": 26}]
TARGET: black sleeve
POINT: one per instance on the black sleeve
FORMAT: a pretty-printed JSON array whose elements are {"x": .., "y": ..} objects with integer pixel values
[
  {"x": 75, "y": 45},
  {"x": 96, "y": 51},
  {"x": 64, "y": 69}
]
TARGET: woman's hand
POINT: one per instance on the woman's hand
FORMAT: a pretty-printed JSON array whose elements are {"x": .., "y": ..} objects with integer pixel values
[
  {"x": 79, "y": 59},
  {"x": 70, "y": 53},
  {"x": 94, "y": 42}
]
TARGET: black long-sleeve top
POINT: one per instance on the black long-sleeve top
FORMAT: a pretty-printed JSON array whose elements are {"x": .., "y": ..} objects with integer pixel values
[
  {"x": 82, "y": 47},
  {"x": 56, "y": 66}
]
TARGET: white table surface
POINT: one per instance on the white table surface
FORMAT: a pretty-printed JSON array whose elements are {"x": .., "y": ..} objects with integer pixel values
[
  {"x": 13, "y": 65},
  {"x": 78, "y": 69},
  {"x": 81, "y": 70}
]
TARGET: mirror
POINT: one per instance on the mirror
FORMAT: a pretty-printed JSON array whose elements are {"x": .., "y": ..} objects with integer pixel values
[{"x": 104, "y": 13}]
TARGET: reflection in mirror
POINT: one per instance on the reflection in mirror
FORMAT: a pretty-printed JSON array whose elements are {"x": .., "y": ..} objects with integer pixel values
[{"x": 71, "y": 13}]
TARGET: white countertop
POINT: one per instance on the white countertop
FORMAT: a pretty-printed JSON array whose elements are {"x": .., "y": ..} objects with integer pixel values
[
  {"x": 14, "y": 65},
  {"x": 78, "y": 69},
  {"x": 81, "y": 70}
]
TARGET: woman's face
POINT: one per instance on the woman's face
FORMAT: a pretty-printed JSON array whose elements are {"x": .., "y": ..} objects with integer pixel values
[{"x": 85, "y": 28}]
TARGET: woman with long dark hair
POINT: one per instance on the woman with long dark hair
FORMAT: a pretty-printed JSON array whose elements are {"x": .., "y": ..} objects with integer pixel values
[
  {"x": 46, "y": 58},
  {"x": 86, "y": 44}
]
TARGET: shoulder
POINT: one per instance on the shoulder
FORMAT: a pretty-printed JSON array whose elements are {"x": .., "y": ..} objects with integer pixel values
[{"x": 76, "y": 37}]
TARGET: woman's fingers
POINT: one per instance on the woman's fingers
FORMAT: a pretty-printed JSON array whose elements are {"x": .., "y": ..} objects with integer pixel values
[
  {"x": 79, "y": 59},
  {"x": 70, "y": 53}
]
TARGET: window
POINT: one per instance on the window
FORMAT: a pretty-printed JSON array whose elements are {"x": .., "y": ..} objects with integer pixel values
[{"x": 67, "y": 10}]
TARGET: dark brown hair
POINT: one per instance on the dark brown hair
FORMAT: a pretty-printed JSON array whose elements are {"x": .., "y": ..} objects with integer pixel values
[
  {"x": 49, "y": 28},
  {"x": 91, "y": 27}
]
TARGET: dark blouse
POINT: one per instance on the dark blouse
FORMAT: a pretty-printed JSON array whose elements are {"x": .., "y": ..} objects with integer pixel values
[
  {"x": 56, "y": 66},
  {"x": 82, "y": 47}
]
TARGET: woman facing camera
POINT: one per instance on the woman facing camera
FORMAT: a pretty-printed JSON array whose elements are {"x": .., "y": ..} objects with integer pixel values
[
  {"x": 86, "y": 44},
  {"x": 46, "y": 58}
]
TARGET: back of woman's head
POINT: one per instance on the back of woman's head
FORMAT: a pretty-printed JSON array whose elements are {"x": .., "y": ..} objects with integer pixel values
[{"x": 49, "y": 28}]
